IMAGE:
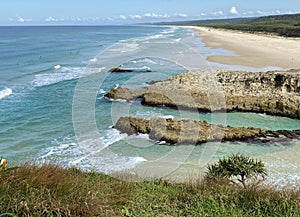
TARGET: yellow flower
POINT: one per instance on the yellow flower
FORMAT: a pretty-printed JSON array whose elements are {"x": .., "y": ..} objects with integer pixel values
[{"x": 3, "y": 163}]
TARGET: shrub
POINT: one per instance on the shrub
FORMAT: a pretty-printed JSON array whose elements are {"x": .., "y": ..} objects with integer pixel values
[{"x": 238, "y": 169}]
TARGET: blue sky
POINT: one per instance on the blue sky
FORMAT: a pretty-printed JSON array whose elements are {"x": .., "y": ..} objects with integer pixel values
[{"x": 32, "y": 12}]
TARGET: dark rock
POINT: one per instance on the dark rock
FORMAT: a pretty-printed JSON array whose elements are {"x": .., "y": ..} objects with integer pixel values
[
  {"x": 132, "y": 125},
  {"x": 123, "y": 93},
  {"x": 121, "y": 70}
]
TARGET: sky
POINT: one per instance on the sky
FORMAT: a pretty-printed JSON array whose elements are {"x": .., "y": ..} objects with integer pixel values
[{"x": 110, "y": 12}]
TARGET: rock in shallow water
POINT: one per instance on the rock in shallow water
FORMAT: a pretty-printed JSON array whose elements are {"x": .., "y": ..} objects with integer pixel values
[{"x": 197, "y": 132}]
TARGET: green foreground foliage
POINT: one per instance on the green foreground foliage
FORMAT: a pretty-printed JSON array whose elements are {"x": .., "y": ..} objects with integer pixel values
[{"x": 53, "y": 191}]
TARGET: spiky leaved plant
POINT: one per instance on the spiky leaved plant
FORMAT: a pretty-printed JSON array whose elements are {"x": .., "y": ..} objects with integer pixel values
[{"x": 238, "y": 169}]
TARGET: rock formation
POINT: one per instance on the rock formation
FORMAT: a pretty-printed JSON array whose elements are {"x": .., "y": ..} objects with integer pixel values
[
  {"x": 196, "y": 132},
  {"x": 274, "y": 93},
  {"x": 121, "y": 70}
]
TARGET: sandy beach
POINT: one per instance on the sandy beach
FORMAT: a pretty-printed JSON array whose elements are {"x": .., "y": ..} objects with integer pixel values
[{"x": 252, "y": 50}]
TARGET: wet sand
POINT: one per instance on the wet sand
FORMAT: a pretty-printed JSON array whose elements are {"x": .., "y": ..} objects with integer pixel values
[{"x": 252, "y": 50}]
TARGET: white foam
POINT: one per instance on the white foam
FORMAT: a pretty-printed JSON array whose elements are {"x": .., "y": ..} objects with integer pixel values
[
  {"x": 5, "y": 93},
  {"x": 115, "y": 163},
  {"x": 139, "y": 69},
  {"x": 101, "y": 91},
  {"x": 93, "y": 60},
  {"x": 143, "y": 136},
  {"x": 125, "y": 47},
  {"x": 69, "y": 153},
  {"x": 101, "y": 68},
  {"x": 56, "y": 150},
  {"x": 167, "y": 31},
  {"x": 262, "y": 114},
  {"x": 166, "y": 116},
  {"x": 144, "y": 60},
  {"x": 57, "y": 67},
  {"x": 170, "y": 30},
  {"x": 65, "y": 73},
  {"x": 88, "y": 155},
  {"x": 152, "y": 37},
  {"x": 284, "y": 180},
  {"x": 111, "y": 136},
  {"x": 90, "y": 146},
  {"x": 116, "y": 100}
]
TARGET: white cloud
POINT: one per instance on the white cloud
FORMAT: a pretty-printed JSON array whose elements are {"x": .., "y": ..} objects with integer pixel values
[
  {"x": 135, "y": 17},
  {"x": 218, "y": 13},
  {"x": 259, "y": 13},
  {"x": 67, "y": 19},
  {"x": 234, "y": 11},
  {"x": 51, "y": 19},
  {"x": 20, "y": 19},
  {"x": 76, "y": 19},
  {"x": 149, "y": 16},
  {"x": 154, "y": 15},
  {"x": 248, "y": 13},
  {"x": 122, "y": 17},
  {"x": 181, "y": 15}
]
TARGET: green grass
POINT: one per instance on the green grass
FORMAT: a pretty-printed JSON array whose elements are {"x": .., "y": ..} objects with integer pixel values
[{"x": 53, "y": 191}]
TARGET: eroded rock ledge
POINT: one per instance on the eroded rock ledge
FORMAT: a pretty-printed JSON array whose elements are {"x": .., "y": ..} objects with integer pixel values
[
  {"x": 197, "y": 132},
  {"x": 274, "y": 93}
]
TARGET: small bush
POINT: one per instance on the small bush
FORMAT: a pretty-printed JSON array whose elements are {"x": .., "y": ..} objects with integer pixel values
[{"x": 238, "y": 169}]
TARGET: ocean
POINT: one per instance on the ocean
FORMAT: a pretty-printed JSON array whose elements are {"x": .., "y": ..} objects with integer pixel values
[{"x": 52, "y": 106}]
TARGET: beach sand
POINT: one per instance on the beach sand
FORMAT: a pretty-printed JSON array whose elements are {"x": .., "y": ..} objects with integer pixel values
[{"x": 252, "y": 50}]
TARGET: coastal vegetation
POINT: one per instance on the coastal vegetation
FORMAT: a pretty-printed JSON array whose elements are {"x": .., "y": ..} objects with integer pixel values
[
  {"x": 238, "y": 169},
  {"x": 49, "y": 190},
  {"x": 287, "y": 25}
]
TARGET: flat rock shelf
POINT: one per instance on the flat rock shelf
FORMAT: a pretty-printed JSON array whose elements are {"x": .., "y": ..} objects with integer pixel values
[
  {"x": 197, "y": 132},
  {"x": 274, "y": 93}
]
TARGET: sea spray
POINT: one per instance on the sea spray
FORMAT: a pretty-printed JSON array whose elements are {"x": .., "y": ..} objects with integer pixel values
[{"x": 5, "y": 92}]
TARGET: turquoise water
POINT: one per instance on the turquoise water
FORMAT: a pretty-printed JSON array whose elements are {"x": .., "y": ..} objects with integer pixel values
[{"x": 52, "y": 82}]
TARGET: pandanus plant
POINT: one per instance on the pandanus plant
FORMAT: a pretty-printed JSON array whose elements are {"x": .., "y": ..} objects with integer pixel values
[{"x": 238, "y": 169}]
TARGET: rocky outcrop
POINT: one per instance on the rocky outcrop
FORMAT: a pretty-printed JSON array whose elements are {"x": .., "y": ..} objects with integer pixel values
[
  {"x": 121, "y": 70},
  {"x": 197, "y": 132},
  {"x": 275, "y": 92},
  {"x": 124, "y": 93}
]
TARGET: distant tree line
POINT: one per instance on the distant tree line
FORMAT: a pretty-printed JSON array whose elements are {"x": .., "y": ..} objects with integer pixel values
[{"x": 283, "y": 25}]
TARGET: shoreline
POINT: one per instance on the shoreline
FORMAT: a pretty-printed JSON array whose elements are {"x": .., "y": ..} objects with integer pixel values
[
  {"x": 251, "y": 50},
  {"x": 274, "y": 92}
]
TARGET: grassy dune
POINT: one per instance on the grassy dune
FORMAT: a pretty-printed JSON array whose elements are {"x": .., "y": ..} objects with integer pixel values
[
  {"x": 53, "y": 191},
  {"x": 287, "y": 25}
]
